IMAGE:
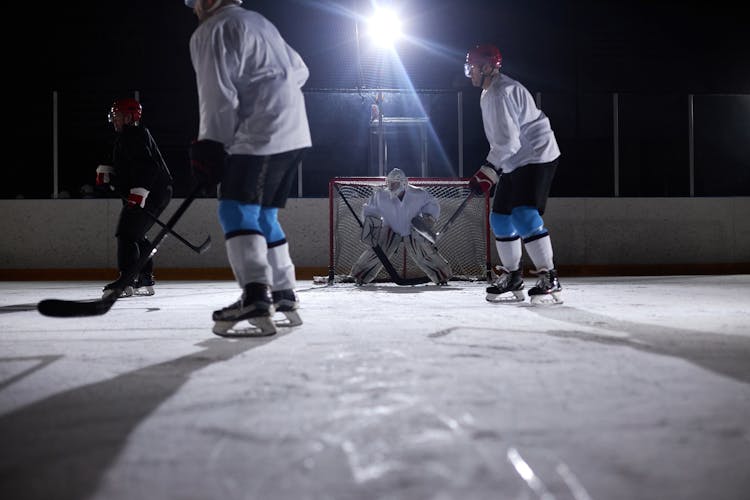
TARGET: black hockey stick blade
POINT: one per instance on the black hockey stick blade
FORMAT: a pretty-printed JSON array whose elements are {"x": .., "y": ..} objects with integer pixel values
[
  {"x": 382, "y": 256},
  {"x": 60, "y": 308}
]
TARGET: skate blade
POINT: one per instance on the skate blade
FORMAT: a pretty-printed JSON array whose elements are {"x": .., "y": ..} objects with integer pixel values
[
  {"x": 126, "y": 292},
  {"x": 144, "y": 291},
  {"x": 512, "y": 298},
  {"x": 549, "y": 299},
  {"x": 262, "y": 326},
  {"x": 291, "y": 318}
]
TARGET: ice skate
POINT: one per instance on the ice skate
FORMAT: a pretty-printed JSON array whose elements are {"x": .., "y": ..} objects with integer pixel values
[
  {"x": 255, "y": 306},
  {"x": 507, "y": 287},
  {"x": 110, "y": 288},
  {"x": 547, "y": 289},
  {"x": 144, "y": 285},
  {"x": 287, "y": 303}
]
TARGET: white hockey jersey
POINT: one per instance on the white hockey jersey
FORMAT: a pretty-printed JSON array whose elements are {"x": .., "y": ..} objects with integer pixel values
[
  {"x": 249, "y": 84},
  {"x": 396, "y": 213},
  {"x": 519, "y": 133}
]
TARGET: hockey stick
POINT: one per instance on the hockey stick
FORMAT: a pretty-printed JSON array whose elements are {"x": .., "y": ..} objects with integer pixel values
[
  {"x": 433, "y": 237},
  {"x": 381, "y": 254},
  {"x": 76, "y": 308},
  {"x": 195, "y": 248}
]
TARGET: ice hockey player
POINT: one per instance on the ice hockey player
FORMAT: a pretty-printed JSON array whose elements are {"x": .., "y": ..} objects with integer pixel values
[
  {"x": 389, "y": 216},
  {"x": 139, "y": 175},
  {"x": 252, "y": 136},
  {"x": 524, "y": 150}
]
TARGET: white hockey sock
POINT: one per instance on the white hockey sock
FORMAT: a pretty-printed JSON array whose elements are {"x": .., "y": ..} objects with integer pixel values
[
  {"x": 247, "y": 255},
  {"x": 282, "y": 268},
  {"x": 510, "y": 253},
  {"x": 540, "y": 252}
]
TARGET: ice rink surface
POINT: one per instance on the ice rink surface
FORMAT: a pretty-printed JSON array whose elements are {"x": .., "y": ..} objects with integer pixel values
[{"x": 634, "y": 389}]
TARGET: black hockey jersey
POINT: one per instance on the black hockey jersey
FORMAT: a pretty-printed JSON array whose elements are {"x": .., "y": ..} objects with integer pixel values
[{"x": 138, "y": 162}]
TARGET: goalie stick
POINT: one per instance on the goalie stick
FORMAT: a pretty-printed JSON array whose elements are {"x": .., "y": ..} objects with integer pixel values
[
  {"x": 199, "y": 249},
  {"x": 76, "y": 308},
  {"x": 381, "y": 254},
  {"x": 433, "y": 237}
]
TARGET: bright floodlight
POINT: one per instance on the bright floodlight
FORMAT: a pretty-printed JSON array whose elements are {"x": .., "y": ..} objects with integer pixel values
[{"x": 385, "y": 27}]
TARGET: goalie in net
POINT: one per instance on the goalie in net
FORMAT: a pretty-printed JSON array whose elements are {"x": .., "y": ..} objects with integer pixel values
[
  {"x": 462, "y": 232},
  {"x": 390, "y": 217}
]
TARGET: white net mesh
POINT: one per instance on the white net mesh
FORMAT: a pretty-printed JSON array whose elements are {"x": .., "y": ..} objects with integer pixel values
[{"x": 465, "y": 244}]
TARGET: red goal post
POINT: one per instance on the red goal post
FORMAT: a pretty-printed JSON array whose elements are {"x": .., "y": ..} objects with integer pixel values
[{"x": 465, "y": 244}]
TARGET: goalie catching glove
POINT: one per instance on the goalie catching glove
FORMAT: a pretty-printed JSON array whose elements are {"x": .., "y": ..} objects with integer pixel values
[
  {"x": 207, "y": 159},
  {"x": 484, "y": 180},
  {"x": 371, "y": 230}
]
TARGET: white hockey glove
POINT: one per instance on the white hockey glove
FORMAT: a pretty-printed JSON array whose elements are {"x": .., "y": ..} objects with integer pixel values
[
  {"x": 103, "y": 173},
  {"x": 137, "y": 197},
  {"x": 371, "y": 230}
]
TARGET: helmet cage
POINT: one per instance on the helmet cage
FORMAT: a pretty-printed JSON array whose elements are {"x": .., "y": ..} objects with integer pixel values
[{"x": 396, "y": 182}]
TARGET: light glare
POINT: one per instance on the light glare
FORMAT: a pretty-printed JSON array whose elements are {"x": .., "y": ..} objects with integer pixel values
[{"x": 384, "y": 27}]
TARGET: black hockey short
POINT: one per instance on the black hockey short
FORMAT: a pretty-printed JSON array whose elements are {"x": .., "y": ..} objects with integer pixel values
[
  {"x": 260, "y": 180},
  {"x": 526, "y": 186}
]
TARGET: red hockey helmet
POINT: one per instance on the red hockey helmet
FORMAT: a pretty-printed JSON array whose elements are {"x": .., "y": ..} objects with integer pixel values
[
  {"x": 481, "y": 55},
  {"x": 126, "y": 106}
]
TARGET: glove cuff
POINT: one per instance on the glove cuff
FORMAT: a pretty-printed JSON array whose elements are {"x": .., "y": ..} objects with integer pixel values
[
  {"x": 138, "y": 196},
  {"x": 489, "y": 171}
]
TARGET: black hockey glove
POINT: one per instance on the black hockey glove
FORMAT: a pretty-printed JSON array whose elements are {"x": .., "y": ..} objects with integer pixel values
[{"x": 207, "y": 159}]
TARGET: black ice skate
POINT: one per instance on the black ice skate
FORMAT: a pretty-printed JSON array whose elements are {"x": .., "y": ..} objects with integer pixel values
[
  {"x": 507, "y": 287},
  {"x": 144, "y": 285},
  {"x": 255, "y": 306},
  {"x": 287, "y": 303},
  {"x": 547, "y": 289},
  {"x": 126, "y": 290}
]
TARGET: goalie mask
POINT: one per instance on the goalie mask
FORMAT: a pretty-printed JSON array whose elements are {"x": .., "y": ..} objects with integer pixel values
[{"x": 396, "y": 182}]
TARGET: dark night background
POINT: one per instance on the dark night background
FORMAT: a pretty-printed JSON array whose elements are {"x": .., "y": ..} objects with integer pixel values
[{"x": 575, "y": 54}]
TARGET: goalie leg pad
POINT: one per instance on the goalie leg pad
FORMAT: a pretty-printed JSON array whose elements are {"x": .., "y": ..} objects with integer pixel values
[
  {"x": 367, "y": 267},
  {"x": 426, "y": 257},
  {"x": 371, "y": 230}
]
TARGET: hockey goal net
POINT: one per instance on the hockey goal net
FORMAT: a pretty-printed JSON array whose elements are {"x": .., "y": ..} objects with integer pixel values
[{"x": 465, "y": 244}]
